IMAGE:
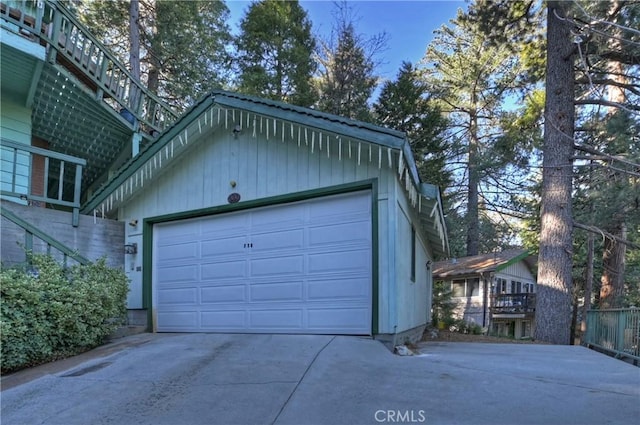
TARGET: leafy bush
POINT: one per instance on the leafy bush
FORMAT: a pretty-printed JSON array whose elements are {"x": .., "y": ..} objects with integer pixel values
[{"x": 48, "y": 312}]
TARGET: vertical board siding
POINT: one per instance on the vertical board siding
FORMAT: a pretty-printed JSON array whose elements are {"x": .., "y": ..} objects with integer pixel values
[
  {"x": 518, "y": 271},
  {"x": 412, "y": 298}
]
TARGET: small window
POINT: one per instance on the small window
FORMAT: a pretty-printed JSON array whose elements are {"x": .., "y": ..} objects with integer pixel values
[
  {"x": 473, "y": 287},
  {"x": 413, "y": 254},
  {"x": 501, "y": 286},
  {"x": 518, "y": 287},
  {"x": 457, "y": 288},
  {"x": 513, "y": 287}
]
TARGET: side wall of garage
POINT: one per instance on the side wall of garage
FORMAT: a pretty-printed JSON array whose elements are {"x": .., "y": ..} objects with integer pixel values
[
  {"x": 258, "y": 168},
  {"x": 412, "y": 276}
]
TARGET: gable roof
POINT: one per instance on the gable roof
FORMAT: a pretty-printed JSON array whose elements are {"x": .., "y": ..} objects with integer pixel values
[
  {"x": 483, "y": 263},
  {"x": 220, "y": 108}
]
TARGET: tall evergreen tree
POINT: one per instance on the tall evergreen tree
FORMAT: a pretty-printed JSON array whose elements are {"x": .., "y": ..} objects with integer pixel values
[
  {"x": 347, "y": 68},
  {"x": 275, "y": 52},
  {"x": 472, "y": 78},
  {"x": 184, "y": 46},
  {"x": 405, "y": 105}
]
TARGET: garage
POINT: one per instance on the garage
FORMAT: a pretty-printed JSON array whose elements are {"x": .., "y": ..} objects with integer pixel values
[{"x": 299, "y": 267}]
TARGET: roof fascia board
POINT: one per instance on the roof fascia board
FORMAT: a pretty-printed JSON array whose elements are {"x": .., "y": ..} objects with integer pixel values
[
  {"x": 321, "y": 123},
  {"x": 136, "y": 162}
]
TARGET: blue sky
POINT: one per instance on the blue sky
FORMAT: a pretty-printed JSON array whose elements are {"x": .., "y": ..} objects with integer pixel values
[{"x": 408, "y": 24}]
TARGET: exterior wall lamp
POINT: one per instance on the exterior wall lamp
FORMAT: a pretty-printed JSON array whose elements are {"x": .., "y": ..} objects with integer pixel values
[{"x": 131, "y": 248}]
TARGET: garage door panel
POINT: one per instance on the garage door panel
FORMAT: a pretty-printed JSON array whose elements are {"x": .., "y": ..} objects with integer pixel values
[
  {"x": 178, "y": 252},
  {"x": 277, "y": 266},
  {"x": 224, "y": 320},
  {"x": 278, "y": 217},
  {"x": 291, "y": 268},
  {"x": 223, "y": 294},
  {"x": 277, "y": 241},
  {"x": 175, "y": 274},
  {"x": 177, "y": 320},
  {"x": 288, "y": 291},
  {"x": 331, "y": 318},
  {"x": 338, "y": 289},
  {"x": 227, "y": 225},
  {"x": 223, "y": 270},
  {"x": 357, "y": 203},
  {"x": 224, "y": 246},
  {"x": 171, "y": 296},
  {"x": 274, "y": 319},
  {"x": 177, "y": 232},
  {"x": 342, "y": 261},
  {"x": 337, "y": 234}
]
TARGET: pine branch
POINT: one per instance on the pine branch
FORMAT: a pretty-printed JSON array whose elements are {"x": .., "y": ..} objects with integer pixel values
[
  {"x": 602, "y": 102},
  {"x": 596, "y": 152},
  {"x": 605, "y": 234}
]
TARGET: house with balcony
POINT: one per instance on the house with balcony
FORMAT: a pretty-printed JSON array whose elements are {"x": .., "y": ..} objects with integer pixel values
[
  {"x": 496, "y": 290},
  {"x": 241, "y": 215}
]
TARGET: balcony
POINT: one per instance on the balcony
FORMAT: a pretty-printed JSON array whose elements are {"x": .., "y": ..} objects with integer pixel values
[
  {"x": 67, "y": 93},
  {"x": 38, "y": 176},
  {"x": 513, "y": 305}
]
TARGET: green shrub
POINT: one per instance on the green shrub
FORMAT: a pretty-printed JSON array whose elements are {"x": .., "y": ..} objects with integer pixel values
[{"x": 48, "y": 312}]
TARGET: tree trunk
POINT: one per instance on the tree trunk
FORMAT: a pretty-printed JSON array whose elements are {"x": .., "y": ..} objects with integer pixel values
[
  {"x": 588, "y": 285},
  {"x": 613, "y": 255},
  {"x": 472, "y": 218},
  {"x": 613, "y": 265},
  {"x": 554, "y": 298},
  {"x": 134, "y": 51}
]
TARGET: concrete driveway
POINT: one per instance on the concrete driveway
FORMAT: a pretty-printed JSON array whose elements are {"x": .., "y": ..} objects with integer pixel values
[{"x": 288, "y": 379}]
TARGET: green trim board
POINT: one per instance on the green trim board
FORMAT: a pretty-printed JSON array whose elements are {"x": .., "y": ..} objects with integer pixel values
[{"x": 147, "y": 234}]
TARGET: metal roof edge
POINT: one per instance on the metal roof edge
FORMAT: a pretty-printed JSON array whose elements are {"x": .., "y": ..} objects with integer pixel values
[{"x": 310, "y": 118}]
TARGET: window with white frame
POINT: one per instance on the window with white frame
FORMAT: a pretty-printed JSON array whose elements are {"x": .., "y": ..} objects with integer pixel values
[
  {"x": 465, "y": 287},
  {"x": 457, "y": 288},
  {"x": 501, "y": 286}
]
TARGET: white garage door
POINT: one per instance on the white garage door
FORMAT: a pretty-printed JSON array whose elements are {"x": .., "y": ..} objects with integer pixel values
[{"x": 303, "y": 267}]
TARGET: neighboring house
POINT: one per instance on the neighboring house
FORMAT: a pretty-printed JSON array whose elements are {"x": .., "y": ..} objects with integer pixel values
[
  {"x": 242, "y": 215},
  {"x": 494, "y": 290}
]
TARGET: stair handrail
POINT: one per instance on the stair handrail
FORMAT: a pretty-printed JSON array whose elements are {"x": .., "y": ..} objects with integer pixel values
[
  {"x": 30, "y": 229},
  {"x": 131, "y": 95}
]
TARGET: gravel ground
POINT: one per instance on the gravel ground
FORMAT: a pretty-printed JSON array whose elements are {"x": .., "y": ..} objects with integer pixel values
[{"x": 444, "y": 335}]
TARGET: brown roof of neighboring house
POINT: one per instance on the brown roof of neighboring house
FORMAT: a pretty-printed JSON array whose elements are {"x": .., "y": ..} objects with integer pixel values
[{"x": 490, "y": 262}]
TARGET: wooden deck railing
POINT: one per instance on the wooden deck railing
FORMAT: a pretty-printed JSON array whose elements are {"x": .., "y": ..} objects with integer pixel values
[
  {"x": 616, "y": 331},
  {"x": 21, "y": 178},
  {"x": 75, "y": 48},
  {"x": 513, "y": 303}
]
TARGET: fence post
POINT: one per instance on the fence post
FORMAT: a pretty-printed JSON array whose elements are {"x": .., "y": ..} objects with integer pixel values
[{"x": 622, "y": 322}]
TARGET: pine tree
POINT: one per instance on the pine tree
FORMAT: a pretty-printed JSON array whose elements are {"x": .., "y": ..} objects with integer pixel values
[
  {"x": 405, "y": 105},
  {"x": 347, "y": 68},
  {"x": 184, "y": 46},
  {"x": 472, "y": 78},
  {"x": 275, "y": 52}
]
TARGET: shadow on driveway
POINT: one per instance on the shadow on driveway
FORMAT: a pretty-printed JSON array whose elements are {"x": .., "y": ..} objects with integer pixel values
[{"x": 303, "y": 379}]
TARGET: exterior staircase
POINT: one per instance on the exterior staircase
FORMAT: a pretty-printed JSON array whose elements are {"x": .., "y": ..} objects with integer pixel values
[{"x": 73, "y": 47}]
